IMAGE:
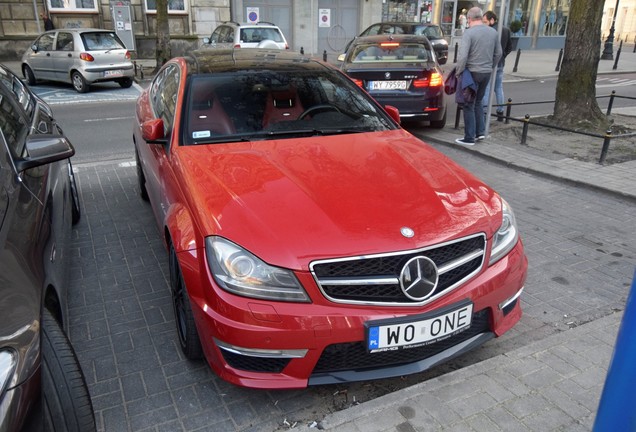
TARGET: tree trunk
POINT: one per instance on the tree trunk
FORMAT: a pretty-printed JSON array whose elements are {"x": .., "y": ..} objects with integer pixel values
[
  {"x": 162, "y": 54},
  {"x": 576, "y": 104}
]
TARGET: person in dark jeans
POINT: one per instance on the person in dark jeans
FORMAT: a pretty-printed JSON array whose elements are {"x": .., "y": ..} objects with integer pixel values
[
  {"x": 490, "y": 19},
  {"x": 479, "y": 53}
]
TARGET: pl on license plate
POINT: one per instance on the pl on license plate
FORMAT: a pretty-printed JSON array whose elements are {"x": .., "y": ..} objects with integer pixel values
[
  {"x": 387, "y": 85},
  {"x": 415, "y": 333}
]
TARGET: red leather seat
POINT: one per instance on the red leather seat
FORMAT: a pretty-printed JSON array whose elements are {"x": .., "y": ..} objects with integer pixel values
[
  {"x": 282, "y": 105},
  {"x": 207, "y": 116}
]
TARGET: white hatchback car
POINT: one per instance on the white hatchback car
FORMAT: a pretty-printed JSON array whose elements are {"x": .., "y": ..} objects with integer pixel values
[
  {"x": 80, "y": 57},
  {"x": 248, "y": 35}
]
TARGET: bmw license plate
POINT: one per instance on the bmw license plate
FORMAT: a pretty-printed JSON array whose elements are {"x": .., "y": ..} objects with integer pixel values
[
  {"x": 398, "y": 333},
  {"x": 387, "y": 85}
]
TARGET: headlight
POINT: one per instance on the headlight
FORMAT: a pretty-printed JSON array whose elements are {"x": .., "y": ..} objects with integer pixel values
[
  {"x": 506, "y": 236},
  {"x": 237, "y": 271},
  {"x": 8, "y": 361}
]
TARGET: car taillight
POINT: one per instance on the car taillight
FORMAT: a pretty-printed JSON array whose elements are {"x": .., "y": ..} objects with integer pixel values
[
  {"x": 435, "y": 80},
  {"x": 389, "y": 44},
  {"x": 86, "y": 57},
  {"x": 286, "y": 46},
  {"x": 358, "y": 82},
  {"x": 237, "y": 45},
  {"x": 127, "y": 55}
]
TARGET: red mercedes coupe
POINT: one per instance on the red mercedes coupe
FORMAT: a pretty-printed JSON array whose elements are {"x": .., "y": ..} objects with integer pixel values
[{"x": 312, "y": 240}]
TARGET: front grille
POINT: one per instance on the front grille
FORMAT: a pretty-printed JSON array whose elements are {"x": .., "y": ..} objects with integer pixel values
[
  {"x": 354, "y": 356},
  {"x": 255, "y": 364},
  {"x": 375, "y": 279}
]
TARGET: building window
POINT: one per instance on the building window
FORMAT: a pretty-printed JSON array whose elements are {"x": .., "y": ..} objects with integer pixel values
[
  {"x": 72, "y": 5},
  {"x": 173, "y": 6}
]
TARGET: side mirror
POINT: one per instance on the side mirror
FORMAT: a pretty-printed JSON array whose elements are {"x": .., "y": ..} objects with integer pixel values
[
  {"x": 152, "y": 132},
  {"x": 341, "y": 57},
  {"x": 34, "y": 47},
  {"x": 442, "y": 61},
  {"x": 206, "y": 40},
  {"x": 44, "y": 149},
  {"x": 393, "y": 112}
]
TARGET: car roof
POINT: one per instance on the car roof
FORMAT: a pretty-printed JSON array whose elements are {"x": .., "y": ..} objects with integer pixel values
[
  {"x": 250, "y": 24},
  {"x": 228, "y": 60}
]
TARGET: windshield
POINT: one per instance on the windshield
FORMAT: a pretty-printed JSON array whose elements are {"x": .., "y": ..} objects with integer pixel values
[
  {"x": 277, "y": 104},
  {"x": 22, "y": 95},
  {"x": 101, "y": 41}
]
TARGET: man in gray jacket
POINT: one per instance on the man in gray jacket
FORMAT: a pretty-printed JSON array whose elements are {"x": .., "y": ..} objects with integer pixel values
[{"x": 479, "y": 54}]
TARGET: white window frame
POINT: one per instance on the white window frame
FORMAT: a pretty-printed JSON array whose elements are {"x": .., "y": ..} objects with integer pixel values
[
  {"x": 170, "y": 11},
  {"x": 70, "y": 6}
]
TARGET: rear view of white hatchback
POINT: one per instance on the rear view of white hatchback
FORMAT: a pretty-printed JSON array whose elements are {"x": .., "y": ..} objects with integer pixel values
[
  {"x": 252, "y": 35},
  {"x": 80, "y": 57}
]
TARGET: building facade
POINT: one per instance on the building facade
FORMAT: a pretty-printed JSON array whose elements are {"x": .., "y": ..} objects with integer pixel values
[{"x": 315, "y": 26}]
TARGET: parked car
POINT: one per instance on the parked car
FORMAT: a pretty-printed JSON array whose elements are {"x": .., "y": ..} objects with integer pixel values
[
  {"x": 311, "y": 240},
  {"x": 41, "y": 382},
  {"x": 80, "y": 57},
  {"x": 246, "y": 35},
  {"x": 400, "y": 71},
  {"x": 432, "y": 32}
]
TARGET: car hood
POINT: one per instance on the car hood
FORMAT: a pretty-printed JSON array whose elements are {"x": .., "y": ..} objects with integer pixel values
[{"x": 292, "y": 201}]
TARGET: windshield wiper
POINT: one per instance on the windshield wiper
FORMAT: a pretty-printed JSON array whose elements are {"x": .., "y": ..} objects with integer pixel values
[{"x": 221, "y": 139}]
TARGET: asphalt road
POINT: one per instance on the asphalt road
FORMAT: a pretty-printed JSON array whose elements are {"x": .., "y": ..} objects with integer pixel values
[{"x": 581, "y": 258}]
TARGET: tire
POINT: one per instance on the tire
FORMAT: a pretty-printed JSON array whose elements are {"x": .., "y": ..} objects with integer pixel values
[
  {"x": 183, "y": 316},
  {"x": 29, "y": 75},
  {"x": 79, "y": 83},
  {"x": 439, "y": 124},
  {"x": 66, "y": 403},
  {"x": 125, "y": 82},
  {"x": 76, "y": 210},
  {"x": 141, "y": 179}
]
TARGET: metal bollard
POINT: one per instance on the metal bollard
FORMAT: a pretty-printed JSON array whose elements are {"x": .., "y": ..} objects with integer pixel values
[
  {"x": 558, "y": 65},
  {"x": 324, "y": 55},
  {"x": 524, "y": 133},
  {"x": 634, "y": 44},
  {"x": 610, "y": 103},
  {"x": 456, "y": 48},
  {"x": 508, "y": 110},
  {"x": 618, "y": 54},
  {"x": 141, "y": 70},
  {"x": 517, "y": 60},
  {"x": 302, "y": 50},
  {"x": 606, "y": 143}
]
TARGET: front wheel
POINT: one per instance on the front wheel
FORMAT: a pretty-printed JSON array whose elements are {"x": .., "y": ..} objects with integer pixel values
[
  {"x": 66, "y": 402},
  {"x": 186, "y": 327},
  {"x": 125, "y": 82},
  {"x": 28, "y": 75},
  {"x": 79, "y": 83}
]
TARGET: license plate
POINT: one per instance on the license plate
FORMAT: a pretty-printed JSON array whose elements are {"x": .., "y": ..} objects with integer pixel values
[
  {"x": 394, "y": 334},
  {"x": 113, "y": 73},
  {"x": 387, "y": 85}
]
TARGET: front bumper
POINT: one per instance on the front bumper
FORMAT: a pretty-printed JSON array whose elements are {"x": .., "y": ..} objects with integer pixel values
[{"x": 278, "y": 345}]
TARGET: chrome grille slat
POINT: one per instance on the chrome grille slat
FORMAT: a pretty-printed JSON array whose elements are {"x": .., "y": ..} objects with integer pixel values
[{"x": 374, "y": 279}]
